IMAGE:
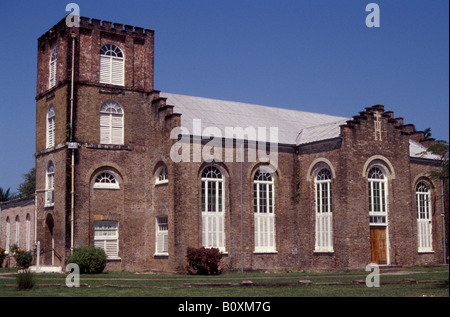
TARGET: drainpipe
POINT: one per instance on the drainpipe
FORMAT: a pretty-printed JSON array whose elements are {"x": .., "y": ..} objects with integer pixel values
[
  {"x": 72, "y": 189},
  {"x": 443, "y": 220}
]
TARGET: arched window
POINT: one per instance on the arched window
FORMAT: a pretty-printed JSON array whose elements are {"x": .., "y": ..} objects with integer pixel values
[
  {"x": 8, "y": 234},
  {"x": 106, "y": 180},
  {"x": 264, "y": 211},
  {"x": 162, "y": 177},
  {"x": 17, "y": 231},
  {"x": 111, "y": 65},
  {"x": 111, "y": 123},
  {"x": 377, "y": 196},
  {"x": 50, "y": 126},
  {"x": 424, "y": 225},
  {"x": 28, "y": 236},
  {"x": 212, "y": 206},
  {"x": 52, "y": 67},
  {"x": 324, "y": 223},
  {"x": 50, "y": 184}
]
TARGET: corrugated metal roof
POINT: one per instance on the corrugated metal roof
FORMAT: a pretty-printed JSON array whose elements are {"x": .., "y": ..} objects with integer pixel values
[
  {"x": 419, "y": 151},
  {"x": 294, "y": 127}
]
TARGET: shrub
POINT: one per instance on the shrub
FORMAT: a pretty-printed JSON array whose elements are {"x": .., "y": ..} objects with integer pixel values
[
  {"x": 204, "y": 261},
  {"x": 2, "y": 256},
  {"x": 90, "y": 260},
  {"x": 25, "y": 280},
  {"x": 23, "y": 258}
]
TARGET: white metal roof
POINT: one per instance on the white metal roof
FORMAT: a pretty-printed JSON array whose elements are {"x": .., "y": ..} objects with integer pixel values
[
  {"x": 294, "y": 126},
  {"x": 419, "y": 151}
]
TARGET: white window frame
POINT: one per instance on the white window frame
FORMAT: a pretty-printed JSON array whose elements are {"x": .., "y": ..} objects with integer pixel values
[
  {"x": 112, "y": 65},
  {"x": 424, "y": 221},
  {"x": 17, "y": 231},
  {"x": 50, "y": 126},
  {"x": 324, "y": 213},
  {"x": 162, "y": 236},
  {"x": 378, "y": 196},
  {"x": 50, "y": 184},
  {"x": 162, "y": 176},
  {"x": 28, "y": 235},
  {"x": 52, "y": 67},
  {"x": 106, "y": 236},
  {"x": 111, "y": 123},
  {"x": 264, "y": 211},
  {"x": 8, "y": 234},
  {"x": 106, "y": 180},
  {"x": 213, "y": 213}
]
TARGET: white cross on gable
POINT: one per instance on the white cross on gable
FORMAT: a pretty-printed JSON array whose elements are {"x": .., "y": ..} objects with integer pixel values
[{"x": 377, "y": 126}]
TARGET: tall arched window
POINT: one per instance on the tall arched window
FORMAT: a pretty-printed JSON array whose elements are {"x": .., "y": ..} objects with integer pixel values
[
  {"x": 424, "y": 226},
  {"x": 50, "y": 184},
  {"x": 377, "y": 196},
  {"x": 212, "y": 206},
  {"x": 50, "y": 126},
  {"x": 52, "y": 67},
  {"x": 8, "y": 234},
  {"x": 111, "y": 65},
  {"x": 264, "y": 211},
  {"x": 111, "y": 123},
  {"x": 28, "y": 235},
  {"x": 324, "y": 218},
  {"x": 17, "y": 231}
]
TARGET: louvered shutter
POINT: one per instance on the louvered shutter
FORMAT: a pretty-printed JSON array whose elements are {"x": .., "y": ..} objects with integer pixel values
[
  {"x": 105, "y": 69},
  {"x": 50, "y": 132},
  {"x": 117, "y": 71},
  {"x": 52, "y": 75},
  {"x": 105, "y": 128},
  {"x": 116, "y": 129}
]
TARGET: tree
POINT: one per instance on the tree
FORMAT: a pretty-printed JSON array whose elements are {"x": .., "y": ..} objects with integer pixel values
[
  {"x": 28, "y": 187},
  {"x": 5, "y": 195}
]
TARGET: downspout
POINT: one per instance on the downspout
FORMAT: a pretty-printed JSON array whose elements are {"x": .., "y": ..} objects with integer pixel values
[
  {"x": 72, "y": 189},
  {"x": 443, "y": 220}
]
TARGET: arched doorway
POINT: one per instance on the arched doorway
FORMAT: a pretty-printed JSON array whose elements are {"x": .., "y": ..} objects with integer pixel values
[{"x": 49, "y": 241}]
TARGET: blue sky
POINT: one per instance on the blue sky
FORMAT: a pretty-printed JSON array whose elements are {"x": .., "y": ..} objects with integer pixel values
[{"x": 310, "y": 55}]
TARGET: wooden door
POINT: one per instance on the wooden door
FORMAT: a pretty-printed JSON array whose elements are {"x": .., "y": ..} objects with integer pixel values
[{"x": 378, "y": 246}]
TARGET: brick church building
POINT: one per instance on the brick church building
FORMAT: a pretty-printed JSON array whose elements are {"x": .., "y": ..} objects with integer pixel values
[{"x": 125, "y": 167}]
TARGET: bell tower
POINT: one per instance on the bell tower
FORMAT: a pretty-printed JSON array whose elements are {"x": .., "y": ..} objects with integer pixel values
[{"x": 92, "y": 81}]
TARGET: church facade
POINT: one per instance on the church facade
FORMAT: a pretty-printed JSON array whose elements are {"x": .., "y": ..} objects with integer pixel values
[{"x": 146, "y": 174}]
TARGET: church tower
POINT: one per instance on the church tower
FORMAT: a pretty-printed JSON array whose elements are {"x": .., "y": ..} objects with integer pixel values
[{"x": 95, "y": 108}]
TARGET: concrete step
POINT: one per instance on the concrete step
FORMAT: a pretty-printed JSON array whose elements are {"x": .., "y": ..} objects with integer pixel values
[{"x": 46, "y": 269}]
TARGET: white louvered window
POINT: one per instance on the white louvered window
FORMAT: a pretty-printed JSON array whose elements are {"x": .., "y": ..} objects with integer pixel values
[
  {"x": 8, "y": 234},
  {"x": 377, "y": 197},
  {"x": 162, "y": 235},
  {"x": 324, "y": 216},
  {"x": 28, "y": 234},
  {"x": 50, "y": 126},
  {"x": 212, "y": 206},
  {"x": 424, "y": 226},
  {"x": 52, "y": 68},
  {"x": 106, "y": 180},
  {"x": 111, "y": 65},
  {"x": 50, "y": 184},
  {"x": 111, "y": 123},
  {"x": 17, "y": 231},
  {"x": 264, "y": 215},
  {"x": 106, "y": 236}
]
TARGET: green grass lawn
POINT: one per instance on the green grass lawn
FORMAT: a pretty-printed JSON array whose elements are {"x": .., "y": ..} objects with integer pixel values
[{"x": 157, "y": 285}]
